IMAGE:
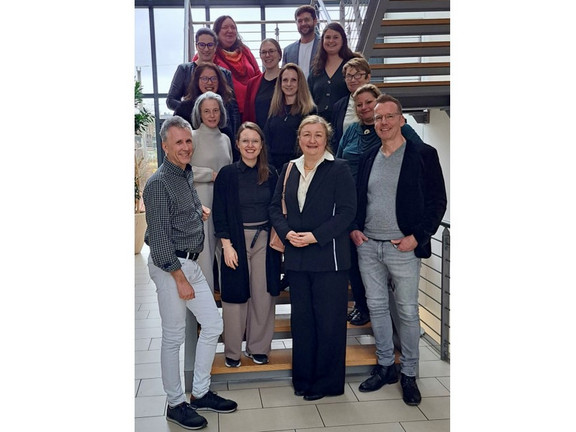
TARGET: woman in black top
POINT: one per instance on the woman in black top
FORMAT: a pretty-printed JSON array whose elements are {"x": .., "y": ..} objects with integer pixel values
[
  {"x": 290, "y": 104},
  {"x": 251, "y": 269},
  {"x": 326, "y": 79}
]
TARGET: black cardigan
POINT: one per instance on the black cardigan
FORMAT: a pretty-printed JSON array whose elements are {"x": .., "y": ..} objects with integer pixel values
[
  {"x": 235, "y": 284},
  {"x": 420, "y": 198},
  {"x": 329, "y": 209}
]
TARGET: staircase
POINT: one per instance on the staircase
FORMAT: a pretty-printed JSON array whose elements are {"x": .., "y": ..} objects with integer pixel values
[
  {"x": 359, "y": 358},
  {"x": 408, "y": 49}
]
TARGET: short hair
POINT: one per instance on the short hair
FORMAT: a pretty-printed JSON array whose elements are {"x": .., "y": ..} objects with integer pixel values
[
  {"x": 316, "y": 119},
  {"x": 174, "y": 121},
  {"x": 367, "y": 88},
  {"x": 197, "y": 115},
  {"x": 383, "y": 98},
  {"x": 262, "y": 161},
  {"x": 206, "y": 31},
  {"x": 303, "y": 9},
  {"x": 358, "y": 63},
  {"x": 273, "y": 42}
]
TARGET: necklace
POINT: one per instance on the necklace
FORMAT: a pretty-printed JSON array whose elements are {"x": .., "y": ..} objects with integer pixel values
[{"x": 287, "y": 109}]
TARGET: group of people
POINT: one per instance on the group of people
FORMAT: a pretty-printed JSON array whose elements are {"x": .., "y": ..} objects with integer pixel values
[{"x": 315, "y": 151}]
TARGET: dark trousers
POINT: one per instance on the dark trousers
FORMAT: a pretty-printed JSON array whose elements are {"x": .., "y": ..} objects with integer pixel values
[
  {"x": 358, "y": 290},
  {"x": 319, "y": 307}
]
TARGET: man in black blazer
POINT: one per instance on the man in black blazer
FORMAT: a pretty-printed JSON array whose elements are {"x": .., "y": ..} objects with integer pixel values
[{"x": 401, "y": 202}]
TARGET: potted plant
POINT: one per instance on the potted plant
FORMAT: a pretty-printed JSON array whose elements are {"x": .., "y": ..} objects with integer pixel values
[{"x": 142, "y": 118}]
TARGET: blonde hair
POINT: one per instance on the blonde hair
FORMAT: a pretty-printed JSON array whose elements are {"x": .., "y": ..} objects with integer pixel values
[
  {"x": 304, "y": 103},
  {"x": 316, "y": 119}
]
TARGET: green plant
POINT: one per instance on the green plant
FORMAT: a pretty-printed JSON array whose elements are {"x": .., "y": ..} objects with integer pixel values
[{"x": 142, "y": 117}]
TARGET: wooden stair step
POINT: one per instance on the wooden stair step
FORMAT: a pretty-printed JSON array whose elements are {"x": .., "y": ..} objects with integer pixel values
[
  {"x": 411, "y": 49},
  {"x": 410, "y": 69},
  {"x": 415, "y": 27},
  {"x": 281, "y": 360},
  {"x": 418, "y": 5}
]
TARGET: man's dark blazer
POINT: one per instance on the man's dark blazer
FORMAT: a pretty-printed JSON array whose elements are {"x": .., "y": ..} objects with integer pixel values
[
  {"x": 420, "y": 198},
  {"x": 329, "y": 209}
]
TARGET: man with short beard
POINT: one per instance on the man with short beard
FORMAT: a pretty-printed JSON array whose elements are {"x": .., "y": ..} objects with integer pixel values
[{"x": 303, "y": 50}]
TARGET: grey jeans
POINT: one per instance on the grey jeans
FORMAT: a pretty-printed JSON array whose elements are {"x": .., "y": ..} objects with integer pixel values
[{"x": 379, "y": 261}]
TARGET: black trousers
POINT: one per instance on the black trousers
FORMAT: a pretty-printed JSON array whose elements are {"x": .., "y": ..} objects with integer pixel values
[
  {"x": 358, "y": 290},
  {"x": 319, "y": 307}
]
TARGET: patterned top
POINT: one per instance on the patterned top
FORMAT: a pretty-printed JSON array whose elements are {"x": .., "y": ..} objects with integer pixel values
[{"x": 173, "y": 214}]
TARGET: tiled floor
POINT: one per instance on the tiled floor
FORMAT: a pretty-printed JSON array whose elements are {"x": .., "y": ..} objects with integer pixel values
[{"x": 271, "y": 405}]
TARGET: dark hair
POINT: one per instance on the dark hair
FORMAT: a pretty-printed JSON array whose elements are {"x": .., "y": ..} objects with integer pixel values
[
  {"x": 262, "y": 161},
  {"x": 223, "y": 90},
  {"x": 304, "y": 9},
  {"x": 206, "y": 31},
  {"x": 218, "y": 26},
  {"x": 319, "y": 62}
]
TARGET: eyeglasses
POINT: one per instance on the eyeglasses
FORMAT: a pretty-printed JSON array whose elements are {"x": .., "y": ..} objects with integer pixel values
[
  {"x": 269, "y": 52},
  {"x": 212, "y": 79},
  {"x": 203, "y": 45},
  {"x": 386, "y": 117},
  {"x": 356, "y": 76}
]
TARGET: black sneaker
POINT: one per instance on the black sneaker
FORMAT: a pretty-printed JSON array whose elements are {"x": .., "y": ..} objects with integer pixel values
[
  {"x": 257, "y": 358},
  {"x": 232, "y": 363},
  {"x": 185, "y": 416},
  {"x": 352, "y": 314},
  {"x": 380, "y": 375},
  {"x": 360, "y": 318},
  {"x": 410, "y": 393},
  {"x": 212, "y": 402}
]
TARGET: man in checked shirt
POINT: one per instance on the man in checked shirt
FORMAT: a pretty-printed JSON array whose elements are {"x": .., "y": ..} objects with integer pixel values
[{"x": 175, "y": 235}]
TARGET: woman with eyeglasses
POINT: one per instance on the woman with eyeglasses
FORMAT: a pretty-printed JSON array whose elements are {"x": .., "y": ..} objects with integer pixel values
[
  {"x": 291, "y": 102},
  {"x": 206, "y": 42},
  {"x": 260, "y": 88},
  {"x": 234, "y": 55},
  {"x": 356, "y": 73},
  {"x": 212, "y": 151},
  {"x": 209, "y": 77},
  {"x": 326, "y": 80},
  {"x": 250, "y": 269}
]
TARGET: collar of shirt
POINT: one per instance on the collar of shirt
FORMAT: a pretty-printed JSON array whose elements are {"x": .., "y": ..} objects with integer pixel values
[
  {"x": 176, "y": 170},
  {"x": 299, "y": 162},
  {"x": 243, "y": 167}
]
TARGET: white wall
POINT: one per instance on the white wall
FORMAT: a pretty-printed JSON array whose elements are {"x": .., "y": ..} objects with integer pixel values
[{"x": 437, "y": 134}]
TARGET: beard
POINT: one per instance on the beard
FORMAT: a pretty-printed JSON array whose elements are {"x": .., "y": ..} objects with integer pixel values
[{"x": 307, "y": 30}]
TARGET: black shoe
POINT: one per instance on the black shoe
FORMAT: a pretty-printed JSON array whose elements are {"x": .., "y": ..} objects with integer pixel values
[
  {"x": 232, "y": 363},
  {"x": 185, "y": 416},
  {"x": 360, "y": 318},
  {"x": 299, "y": 392},
  {"x": 212, "y": 402},
  {"x": 257, "y": 358},
  {"x": 313, "y": 397},
  {"x": 410, "y": 393},
  {"x": 380, "y": 375},
  {"x": 352, "y": 314}
]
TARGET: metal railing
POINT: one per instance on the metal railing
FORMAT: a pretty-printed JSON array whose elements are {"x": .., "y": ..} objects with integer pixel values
[{"x": 435, "y": 293}]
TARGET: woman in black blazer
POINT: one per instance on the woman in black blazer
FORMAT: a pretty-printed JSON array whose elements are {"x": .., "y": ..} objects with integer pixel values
[{"x": 321, "y": 203}]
